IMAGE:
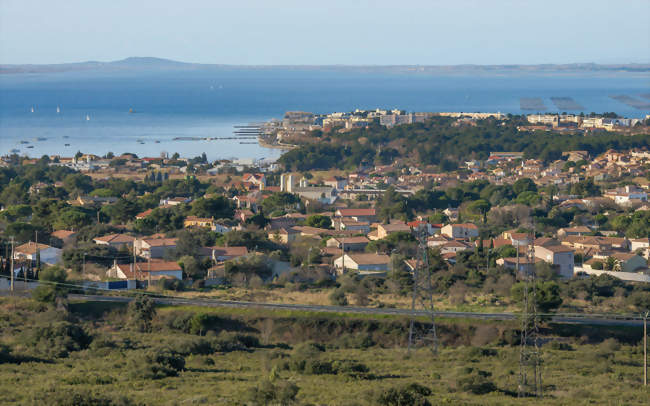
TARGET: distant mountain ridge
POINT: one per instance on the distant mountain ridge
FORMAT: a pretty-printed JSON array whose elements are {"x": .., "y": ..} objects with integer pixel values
[{"x": 140, "y": 63}]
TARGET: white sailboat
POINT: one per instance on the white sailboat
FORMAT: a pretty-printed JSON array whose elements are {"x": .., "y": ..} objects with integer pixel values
[
  {"x": 58, "y": 109},
  {"x": 87, "y": 117},
  {"x": 32, "y": 109}
]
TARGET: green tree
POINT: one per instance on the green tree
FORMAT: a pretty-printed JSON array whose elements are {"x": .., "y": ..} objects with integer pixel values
[
  {"x": 52, "y": 285},
  {"x": 524, "y": 185},
  {"x": 319, "y": 221},
  {"x": 141, "y": 312},
  {"x": 547, "y": 295},
  {"x": 215, "y": 207},
  {"x": 338, "y": 298}
]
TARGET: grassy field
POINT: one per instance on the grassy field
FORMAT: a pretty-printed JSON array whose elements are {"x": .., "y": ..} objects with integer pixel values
[{"x": 237, "y": 354}]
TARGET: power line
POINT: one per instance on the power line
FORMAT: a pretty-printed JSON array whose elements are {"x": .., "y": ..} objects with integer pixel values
[
  {"x": 530, "y": 373},
  {"x": 512, "y": 316},
  {"x": 422, "y": 297}
]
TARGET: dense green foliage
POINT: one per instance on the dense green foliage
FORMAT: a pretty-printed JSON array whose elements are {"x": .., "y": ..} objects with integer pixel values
[{"x": 436, "y": 142}]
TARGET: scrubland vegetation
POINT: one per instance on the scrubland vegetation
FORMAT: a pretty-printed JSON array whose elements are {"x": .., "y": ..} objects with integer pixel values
[{"x": 100, "y": 353}]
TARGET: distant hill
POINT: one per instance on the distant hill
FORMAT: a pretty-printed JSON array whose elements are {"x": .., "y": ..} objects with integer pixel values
[{"x": 149, "y": 63}]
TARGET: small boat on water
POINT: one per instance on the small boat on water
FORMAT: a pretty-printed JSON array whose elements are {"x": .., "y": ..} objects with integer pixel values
[
  {"x": 67, "y": 145},
  {"x": 131, "y": 111},
  {"x": 32, "y": 110},
  {"x": 65, "y": 136},
  {"x": 41, "y": 139},
  {"x": 58, "y": 109},
  {"x": 87, "y": 117},
  {"x": 30, "y": 146},
  {"x": 24, "y": 142},
  {"x": 157, "y": 142}
]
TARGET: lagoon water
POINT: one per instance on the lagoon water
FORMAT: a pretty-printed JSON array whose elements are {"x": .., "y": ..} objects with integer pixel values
[{"x": 208, "y": 103}]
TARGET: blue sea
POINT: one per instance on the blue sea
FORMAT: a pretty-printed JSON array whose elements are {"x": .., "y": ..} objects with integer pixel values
[{"x": 208, "y": 103}]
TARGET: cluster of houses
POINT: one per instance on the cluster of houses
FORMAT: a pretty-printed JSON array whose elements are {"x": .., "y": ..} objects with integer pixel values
[
  {"x": 300, "y": 122},
  {"x": 573, "y": 121}
]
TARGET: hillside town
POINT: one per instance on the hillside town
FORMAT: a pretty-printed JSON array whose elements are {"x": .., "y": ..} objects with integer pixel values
[
  {"x": 296, "y": 123},
  {"x": 337, "y": 222}
]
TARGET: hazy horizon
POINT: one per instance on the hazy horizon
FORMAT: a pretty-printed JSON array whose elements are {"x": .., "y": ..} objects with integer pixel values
[
  {"x": 149, "y": 57},
  {"x": 334, "y": 32}
]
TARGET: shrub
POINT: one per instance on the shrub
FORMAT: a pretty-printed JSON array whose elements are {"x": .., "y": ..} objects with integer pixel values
[
  {"x": 560, "y": 346},
  {"x": 475, "y": 381},
  {"x": 411, "y": 394},
  {"x": 350, "y": 368},
  {"x": 270, "y": 393},
  {"x": 157, "y": 364},
  {"x": 5, "y": 355},
  {"x": 641, "y": 300},
  {"x": 75, "y": 397},
  {"x": 57, "y": 340},
  {"x": 475, "y": 352},
  {"x": 337, "y": 298}
]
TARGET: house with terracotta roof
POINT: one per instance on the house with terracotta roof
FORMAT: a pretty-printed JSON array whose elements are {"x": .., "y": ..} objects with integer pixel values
[
  {"x": 154, "y": 270},
  {"x": 31, "y": 251},
  {"x": 466, "y": 230},
  {"x": 454, "y": 246},
  {"x": 368, "y": 215},
  {"x": 366, "y": 264},
  {"x": 221, "y": 254},
  {"x": 194, "y": 221},
  {"x": 117, "y": 241},
  {"x": 348, "y": 243},
  {"x": 560, "y": 256},
  {"x": 64, "y": 236},
  {"x": 143, "y": 215},
  {"x": 154, "y": 247},
  {"x": 254, "y": 180},
  {"x": 283, "y": 235},
  {"x": 522, "y": 263},
  {"x": 578, "y": 230},
  {"x": 384, "y": 230},
  {"x": 350, "y": 224},
  {"x": 437, "y": 241}
]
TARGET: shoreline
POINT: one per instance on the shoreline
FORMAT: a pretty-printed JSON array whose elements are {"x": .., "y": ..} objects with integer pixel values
[{"x": 286, "y": 147}]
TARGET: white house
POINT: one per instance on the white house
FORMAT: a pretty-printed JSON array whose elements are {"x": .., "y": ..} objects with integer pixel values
[
  {"x": 365, "y": 264},
  {"x": 28, "y": 252},
  {"x": 466, "y": 230},
  {"x": 630, "y": 194}
]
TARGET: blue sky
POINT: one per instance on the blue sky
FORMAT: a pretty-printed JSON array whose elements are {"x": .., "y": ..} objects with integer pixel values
[{"x": 355, "y": 32}]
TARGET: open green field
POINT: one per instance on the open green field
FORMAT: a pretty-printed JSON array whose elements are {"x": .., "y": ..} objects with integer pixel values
[{"x": 239, "y": 356}]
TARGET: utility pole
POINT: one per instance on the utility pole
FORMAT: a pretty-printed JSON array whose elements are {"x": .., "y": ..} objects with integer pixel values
[
  {"x": 149, "y": 279},
  {"x": 530, "y": 374},
  {"x": 645, "y": 349},
  {"x": 11, "y": 271},
  {"x": 422, "y": 296},
  {"x": 83, "y": 269}
]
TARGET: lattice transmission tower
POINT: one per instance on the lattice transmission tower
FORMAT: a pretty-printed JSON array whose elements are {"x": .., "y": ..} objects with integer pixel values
[
  {"x": 422, "y": 334},
  {"x": 530, "y": 372}
]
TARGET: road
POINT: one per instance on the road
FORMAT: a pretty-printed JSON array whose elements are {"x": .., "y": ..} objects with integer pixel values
[{"x": 586, "y": 319}]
